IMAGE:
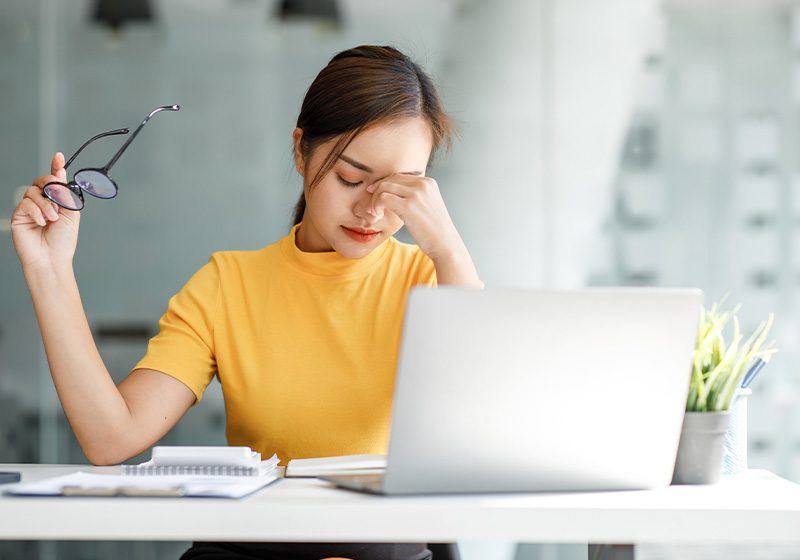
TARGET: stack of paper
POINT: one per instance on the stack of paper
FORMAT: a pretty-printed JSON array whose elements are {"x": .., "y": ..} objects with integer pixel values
[{"x": 328, "y": 466}]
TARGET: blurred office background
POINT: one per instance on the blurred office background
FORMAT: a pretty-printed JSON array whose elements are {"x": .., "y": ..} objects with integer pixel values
[{"x": 613, "y": 142}]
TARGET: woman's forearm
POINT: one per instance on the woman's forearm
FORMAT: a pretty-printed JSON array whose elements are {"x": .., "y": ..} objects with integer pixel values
[
  {"x": 455, "y": 268},
  {"x": 96, "y": 410}
]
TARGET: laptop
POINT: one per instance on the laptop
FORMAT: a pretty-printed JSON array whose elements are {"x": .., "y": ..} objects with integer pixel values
[{"x": 523, "y": 390}]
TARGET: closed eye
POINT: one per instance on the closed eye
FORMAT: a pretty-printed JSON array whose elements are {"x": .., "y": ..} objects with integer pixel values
[{"x": 347, "y": 183}]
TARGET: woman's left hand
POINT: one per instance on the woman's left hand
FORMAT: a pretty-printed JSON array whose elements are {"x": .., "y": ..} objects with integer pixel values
[{"x": 418, "y": 202}]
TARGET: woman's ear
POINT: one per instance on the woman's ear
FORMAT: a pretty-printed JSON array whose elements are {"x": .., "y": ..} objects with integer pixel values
[{"x": 299, "y": 160}]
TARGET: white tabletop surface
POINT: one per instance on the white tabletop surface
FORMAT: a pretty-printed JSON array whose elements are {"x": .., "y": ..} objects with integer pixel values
[{"x": 754, "y": 508}]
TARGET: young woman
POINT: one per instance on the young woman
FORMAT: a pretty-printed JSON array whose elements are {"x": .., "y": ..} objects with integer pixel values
[{"x": 303, "y": 334}]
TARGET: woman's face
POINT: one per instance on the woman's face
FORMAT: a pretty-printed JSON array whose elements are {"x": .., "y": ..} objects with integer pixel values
[{"x": 336, "y": 217}]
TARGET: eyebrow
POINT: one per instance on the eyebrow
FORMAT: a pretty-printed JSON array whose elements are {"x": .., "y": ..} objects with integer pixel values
[{"x": 368, "y": 169}]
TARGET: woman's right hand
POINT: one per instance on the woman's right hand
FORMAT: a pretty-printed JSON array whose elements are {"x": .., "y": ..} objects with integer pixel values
[{"x": 44, "y": 233}]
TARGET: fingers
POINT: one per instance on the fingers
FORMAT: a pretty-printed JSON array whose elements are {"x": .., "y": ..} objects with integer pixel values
[
  {"x": 40, "y": 182},
  {"x": 57, "y": 172},
  {"x": 37, "y": 207},
  {"x": 28, "y": 208},
  {"x": 385, "y": 201},
  {"x": 35, "y": 204},
  {"x": 410, "y": 192},
  {"x": 404, "y": 185},
  {"x": 57, "y": 167}
]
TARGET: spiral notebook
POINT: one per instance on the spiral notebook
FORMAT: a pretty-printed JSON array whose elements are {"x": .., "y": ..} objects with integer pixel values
[{"x": 202, "y": 460}]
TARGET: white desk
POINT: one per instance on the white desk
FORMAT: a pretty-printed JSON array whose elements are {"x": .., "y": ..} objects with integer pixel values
[{"x": 752, "y": 509}]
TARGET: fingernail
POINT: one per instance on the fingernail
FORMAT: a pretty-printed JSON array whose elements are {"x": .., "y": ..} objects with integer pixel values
[{"x": 371, "y": 188}]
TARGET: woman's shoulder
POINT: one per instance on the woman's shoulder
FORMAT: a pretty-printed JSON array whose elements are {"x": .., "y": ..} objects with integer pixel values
[
  {"x": 238, "y": 261},
  {"x": 239, "y": 256}
]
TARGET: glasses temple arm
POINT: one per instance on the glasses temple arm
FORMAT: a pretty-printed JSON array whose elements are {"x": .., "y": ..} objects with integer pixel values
[
  {"x": 101, "y": 135},
  {"x": 135, "y": 132}
]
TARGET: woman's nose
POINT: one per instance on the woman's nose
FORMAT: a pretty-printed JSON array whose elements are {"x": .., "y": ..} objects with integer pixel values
[{"x": 362, "y": 206}]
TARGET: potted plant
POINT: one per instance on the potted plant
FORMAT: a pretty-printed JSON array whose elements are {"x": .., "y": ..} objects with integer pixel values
[{"x": 718, "y": 369}]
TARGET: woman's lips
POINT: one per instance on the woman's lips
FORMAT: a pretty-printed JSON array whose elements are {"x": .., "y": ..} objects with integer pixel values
[{"x": 360, "y": 235}]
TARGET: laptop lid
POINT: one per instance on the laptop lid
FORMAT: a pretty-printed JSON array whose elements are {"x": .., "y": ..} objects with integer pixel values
[{"x": 530, "y": 390}]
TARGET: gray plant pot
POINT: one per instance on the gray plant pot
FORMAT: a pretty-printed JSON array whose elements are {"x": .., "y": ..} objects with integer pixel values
[{"x": 699, "y": 459}]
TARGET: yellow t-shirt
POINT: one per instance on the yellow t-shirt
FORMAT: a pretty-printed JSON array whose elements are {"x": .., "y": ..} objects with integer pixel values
[{"x": 304, "y": 344}]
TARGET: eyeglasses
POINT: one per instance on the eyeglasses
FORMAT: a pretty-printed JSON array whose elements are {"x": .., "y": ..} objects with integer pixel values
[{"x": 94, "y": 181}]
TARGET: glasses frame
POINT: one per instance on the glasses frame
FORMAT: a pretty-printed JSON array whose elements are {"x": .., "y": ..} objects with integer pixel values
[{"x": 75, "y": 187}]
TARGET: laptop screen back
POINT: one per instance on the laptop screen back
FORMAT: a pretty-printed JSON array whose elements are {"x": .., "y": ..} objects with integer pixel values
[{"x": 531, "y": 390}]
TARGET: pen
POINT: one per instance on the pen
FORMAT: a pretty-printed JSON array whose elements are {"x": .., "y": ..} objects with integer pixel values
[
  {"x": 755, "y": 370},
  {"x": 130, "y": 491}
]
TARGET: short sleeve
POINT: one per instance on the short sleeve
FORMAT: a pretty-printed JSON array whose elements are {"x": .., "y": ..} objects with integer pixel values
[{"x": 184, "y": 346}]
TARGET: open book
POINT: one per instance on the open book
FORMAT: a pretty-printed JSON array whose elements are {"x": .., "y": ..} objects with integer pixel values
[{"x": 326, "y": 466}]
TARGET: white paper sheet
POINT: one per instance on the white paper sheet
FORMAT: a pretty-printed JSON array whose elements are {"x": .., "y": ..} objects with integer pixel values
[{"x": 93, "y": 484}]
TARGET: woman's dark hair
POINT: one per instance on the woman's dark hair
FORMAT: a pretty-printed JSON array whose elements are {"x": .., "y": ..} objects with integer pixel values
[{"x": 359, "y": 88}]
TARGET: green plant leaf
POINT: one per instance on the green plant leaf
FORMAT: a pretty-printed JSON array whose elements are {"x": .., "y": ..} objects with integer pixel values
[{"x": 718, "y": 366}]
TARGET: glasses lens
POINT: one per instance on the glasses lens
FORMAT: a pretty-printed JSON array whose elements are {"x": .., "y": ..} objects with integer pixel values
[
  {"x": 96, "y": 183},
  {"x": 63, "y": 196}
]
